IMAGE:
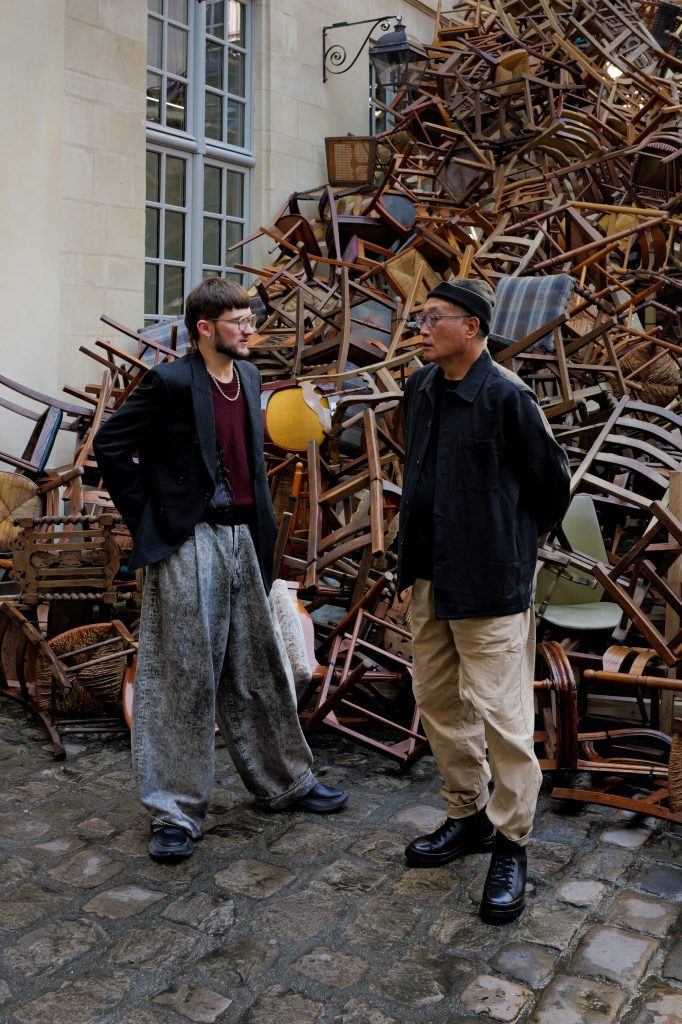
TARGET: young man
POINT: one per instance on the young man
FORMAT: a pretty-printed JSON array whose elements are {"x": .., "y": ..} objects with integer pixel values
[
  {"x": 483, "y": 479},
  {"x": 197, "y": 504}
]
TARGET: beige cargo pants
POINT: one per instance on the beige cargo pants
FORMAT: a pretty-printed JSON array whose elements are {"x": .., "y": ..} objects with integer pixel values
[{"x": 473, "y": 683}]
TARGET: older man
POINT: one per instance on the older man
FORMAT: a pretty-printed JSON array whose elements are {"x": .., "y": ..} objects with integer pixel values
[{"x": 483, "y": 479}]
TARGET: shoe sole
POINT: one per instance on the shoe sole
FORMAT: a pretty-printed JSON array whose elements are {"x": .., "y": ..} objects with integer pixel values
[
  {"x": 325, "y": 807},
  {"x": 494, "y": 915},
  {"x": 171, "y": 855},
  {"x": 424, "y": 860}
]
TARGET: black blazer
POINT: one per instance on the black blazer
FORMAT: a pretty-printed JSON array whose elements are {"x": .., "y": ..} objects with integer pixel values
[{"x": 168, "y": 420}]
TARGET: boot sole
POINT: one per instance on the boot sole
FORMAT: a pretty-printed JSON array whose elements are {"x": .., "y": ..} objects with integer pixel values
[
  {"x": 182, "y": 853},
  {"x": 425, "y": 860},
  {"x": 496, "y": 915}
]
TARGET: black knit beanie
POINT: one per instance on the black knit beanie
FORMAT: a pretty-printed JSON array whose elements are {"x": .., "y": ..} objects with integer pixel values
[{"x": 467, "y": 295}]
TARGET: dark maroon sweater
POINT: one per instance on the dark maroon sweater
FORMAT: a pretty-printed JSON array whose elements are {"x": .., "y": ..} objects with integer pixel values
[{"x": 231, "y": 430}]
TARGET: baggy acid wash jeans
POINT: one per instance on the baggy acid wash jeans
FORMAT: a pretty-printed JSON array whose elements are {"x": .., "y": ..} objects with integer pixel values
[{"x": 210, "y": 651}]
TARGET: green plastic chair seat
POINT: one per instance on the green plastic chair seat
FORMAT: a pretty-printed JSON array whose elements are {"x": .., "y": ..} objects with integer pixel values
[{"x": 593, "y": 615}]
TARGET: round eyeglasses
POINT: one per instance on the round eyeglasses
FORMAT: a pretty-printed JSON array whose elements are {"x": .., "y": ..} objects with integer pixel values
[
  {"x": 242, "y": 322},
  {"x": 431, "y": 319}
]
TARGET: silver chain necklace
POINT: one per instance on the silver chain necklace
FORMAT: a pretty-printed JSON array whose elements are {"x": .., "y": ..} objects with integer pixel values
[{"x": 217, "y": 384}]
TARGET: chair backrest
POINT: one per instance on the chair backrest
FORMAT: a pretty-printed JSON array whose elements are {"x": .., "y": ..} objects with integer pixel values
[
  {"x": 524, "y": 304},
  {"x": 581, "y": 528}
]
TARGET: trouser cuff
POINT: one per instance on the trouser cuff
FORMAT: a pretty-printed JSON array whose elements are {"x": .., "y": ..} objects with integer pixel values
[{"x": 294, "y": 793}]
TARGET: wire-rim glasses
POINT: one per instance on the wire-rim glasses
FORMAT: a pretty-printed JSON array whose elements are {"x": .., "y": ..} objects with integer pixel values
[
  {"x": 242, "y": 322},
  {"x": 431, "y": 319}
]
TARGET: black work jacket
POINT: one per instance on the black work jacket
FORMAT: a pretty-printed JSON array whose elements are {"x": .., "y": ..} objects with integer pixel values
[
  {"x": 168, "y": 420},
  {"x": 501, "y": 481}
]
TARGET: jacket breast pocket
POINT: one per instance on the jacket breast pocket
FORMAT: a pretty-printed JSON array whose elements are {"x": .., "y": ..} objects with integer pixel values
[{"x": 478, "y": 468}]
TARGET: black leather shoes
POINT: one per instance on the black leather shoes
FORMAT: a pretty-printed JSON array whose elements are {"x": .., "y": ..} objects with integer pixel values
[
  {"x": 170, "y": 843},
  {"x": 455, "y": 838},
  {"x": 320, "y": 800},
  {"x": 504, "y": 889}
]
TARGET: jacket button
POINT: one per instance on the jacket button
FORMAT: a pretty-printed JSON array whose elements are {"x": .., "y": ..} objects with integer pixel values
[
  {"x": 207, "y": 496},
  {"x": 181, "y": 479}
]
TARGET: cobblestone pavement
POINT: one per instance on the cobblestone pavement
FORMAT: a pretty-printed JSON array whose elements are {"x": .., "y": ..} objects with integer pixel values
[{"x": 295, "y": 919}]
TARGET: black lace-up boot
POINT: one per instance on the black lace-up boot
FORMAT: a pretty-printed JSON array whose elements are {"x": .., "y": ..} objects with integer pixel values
[
  {"x": 454, "y": 838},
  {"x": 505, "y": 886}
]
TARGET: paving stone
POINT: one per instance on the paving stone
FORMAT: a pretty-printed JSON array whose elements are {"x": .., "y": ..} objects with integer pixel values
[
  {"x": 111, "y": 784},
  {"x": 96, "y": 827},
  {"x": 60, "y": 846},
  {"x": 211, "y": 914},
  {"x": 22, "y": 828},
  {"x": 15, "y": 869},
  {"x": 133, "y": 841},
  {"x": 380, "y": 922},
  {"x": 197, "y": 1004},
  {"x": 663, "y": 880},
  {"x": 52, "y": 945},
  {"x": 306, "y": 841},
  {"x": 673, "y": 963},
  {"x": 665, "y": 846},
  {"x": 5, "y": 992},
  {"x": 241, "y": 962},
  {"x": 422, "y": 978},
  {"x": 301, "y": 915},
  {"x": 554, "y": 927},
  {"x": 578, "y": 1001},
  {"x": 229, "y": 834},
  {"x": 282, "y": 1006},
  {"x": 422, "y": 817},
  {"x": 27, "y": 904},
  {"x": 496, "y": 997},
  {"x": 557, "y": 829},
  {"x": 526, "y": 962},
  {"x": 383, "y": 848},
  {"x": 347, "y": 877},
  {"x": 87, "y": 998},
  {"x": 547, "y": 860},
  {"x": 643, "y": 914},
  {"x": 151, "y": 948},
  {"x": 631, "y": 838},
  {"x": 254, "y": 878},
  {"x": 331, "y": 967},
  {"x": 430, "y": 884},
  {"x": 87, "y": 869},
  {"x": 181, "y": 873},
  {"x": 359, "y": 807},
  {"x": 466, "y": 933},
  {"x": 660, "y": 1007},
  {"x": 355, "y": 1012},
  {"x": 614, "y": 954},
  {"x": 142, "y": 1017},
  {"x": 68, "y": 809},
  {"x": 581, "y": 892},
  {"x": 28, "y": 792},
  {"x": 123, "y": 901},
  {"x": 608, "y": 862}
]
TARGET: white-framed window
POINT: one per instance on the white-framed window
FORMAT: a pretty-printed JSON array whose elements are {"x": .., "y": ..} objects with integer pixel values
[{"x": 198, "y": 146}]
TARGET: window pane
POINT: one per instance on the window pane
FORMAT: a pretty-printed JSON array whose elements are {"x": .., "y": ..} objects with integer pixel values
[
  {"x": 215, "y": 18},
  {"x": 235, "y": 123},
  {"x": 172, "y": 291},
  {"x": 235, "y": 194},
  {"x": 174, "y": 236},
  {"x": 177, "y": 52},
  {"x": 175, "y": 181},
  {"x": 212, "y": 241},
  {"x": 176, "y": 104},
  {"x": 153, "y": 173},
  {"x": 153, "y": 98},
  {"x": 151, "y": 243},
  {"x": 212, "y": 196},
  {"x": 236, "y": 23},
  {"x": 155, "y": 6},
  {"x": 154, "y": 40},
  {"x": 236, "y": 77},
  {"x": 151, "y": 288},
  {"x": 177, "y": 10},
  {"x": 233, "y": 233},
  {"x": 214, "y": 65},
  {"x": 214, "y": 116}
]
